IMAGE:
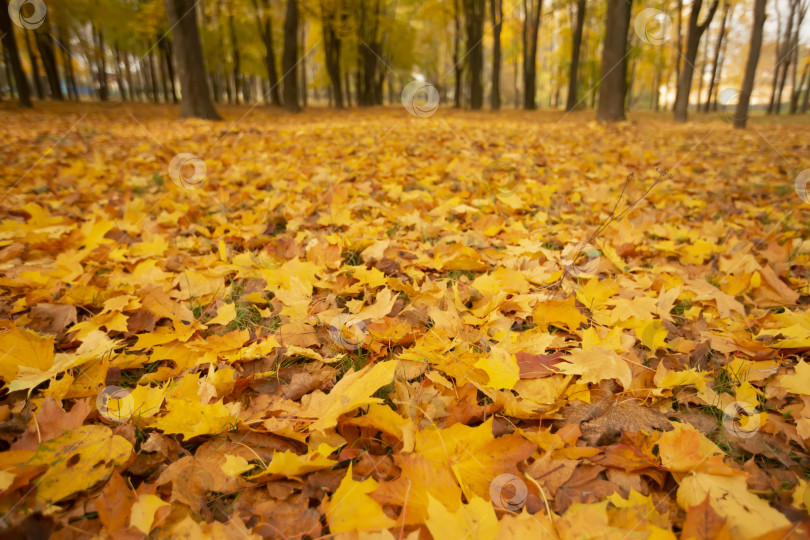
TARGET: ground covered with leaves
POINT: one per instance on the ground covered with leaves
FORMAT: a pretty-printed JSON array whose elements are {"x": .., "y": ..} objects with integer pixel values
[{"x": 374, "y": 325}]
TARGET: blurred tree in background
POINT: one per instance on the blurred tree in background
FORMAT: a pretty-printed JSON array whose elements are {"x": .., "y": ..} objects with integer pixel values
[{"x": 554, "y": 54}]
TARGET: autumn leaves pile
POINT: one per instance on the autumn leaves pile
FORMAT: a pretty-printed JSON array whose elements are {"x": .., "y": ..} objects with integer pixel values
[{"x": 349, "y": 328}]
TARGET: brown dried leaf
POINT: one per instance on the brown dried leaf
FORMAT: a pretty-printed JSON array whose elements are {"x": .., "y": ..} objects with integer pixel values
[
  {"x": 703, "y": 523},
  {"x": 52, "y": 318}
]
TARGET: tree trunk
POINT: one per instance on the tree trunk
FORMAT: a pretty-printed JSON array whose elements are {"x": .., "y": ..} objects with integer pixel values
[
  {"x": 723, "y": 57},
  {"x": 101, "y": 67},
  {"x": 331, "y": 49},
  {"x": 795, "y": 84},
  {"x": 67, "y": 63},
  {"x": 364, "y": 67},
  {"x": 302, "y": 84},
  {"x": 228, "y": 88},
  {"x": 717, "y": 48},
  {"x": 629, "y": 102},
  {"x": 515, "y": 88},
  {"x": 692, "y": 43},
  {"x": 132, "y": 91},
  {"x": 347, "y": 85},
  {"x": 32, "y": 58},
  {"x": 237, "y": 63},
  {"x": 12, "y": 88},
  {"x": 679, "y": 51},
  {"x": 797, "y": 91},
  {"x": 474, "y": 14},
  {"x": 702, "y": 72},
  {"x": 531, "y": 25},
  {"x": 247, "y": 88},
  {"x": 655, "y": 92},
  {"x": 614, "y": 62},
  {"x": 13, "y": 58},
  {"x": 144, "y": 83},
  {"x": 168, "y": 54},
  {"x": 65, "y": 69},
  {"x": 369, "y": 51},
  {"x": 741, "y": 116},
  {"x": 46, "y": 53},
  {"x": 777, "y": 62},
  {"x": 265, "y": 23},
  {"x": 458, "y": 64},
  {"x": 162, "y": 68},
  {"x": 576, "y": 45},
  {"x": 119, "y": 75},
  {"x": 153, "y": 77},
  {"x": 213, "y": 79},
  {"x": 289, "y": 60},
  {"x": 496, "y": 8},
  {"x": 195, "y": 100},
  {"x": 787, "y": 55}
]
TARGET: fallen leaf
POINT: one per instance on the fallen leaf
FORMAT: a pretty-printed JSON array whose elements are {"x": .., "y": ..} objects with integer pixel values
[
  {"x": 703, "y": 523},
  {"x": 747, "y": 516},
  {"x": 78, "y": 460},
  {"x": 473, "y": 520},
  {"x": 352, "y": 391},
  {"x": 351, "y": 508}
]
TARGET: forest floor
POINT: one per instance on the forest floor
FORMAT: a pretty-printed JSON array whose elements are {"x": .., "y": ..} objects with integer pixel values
[{"x": 478, "y": 325}]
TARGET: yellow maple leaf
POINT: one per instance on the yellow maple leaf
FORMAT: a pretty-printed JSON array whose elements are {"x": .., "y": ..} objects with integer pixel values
[
  {"x": 192, "y": 418},
  {"x": 801, "y": 496},
  {"x": 502, "y": 279},
  {"x": 747, "y": 515},
  {"x": 292, "y": 465},
  {"x": 78, "y": 460},
  {"x": 696, "y": 252},
  {"x": 588, "y": 521},
  {"x": 194, "y": 284},
  {"x": 614, "y": 339},
  {"x": 799, "y": 381},
  {"x": 640, "y": 308},
  {"x": 473, "y": 454},
  {"x": 683, "y": 378},
  {"x": 561, "y": 313},
  {"x": 458, "y": 257},
  {"x": 143, "y": 512},
  {"x": 22, "y": 347},
  {"x": 351, "y": 508},
  {"x": 597, "y": 364},
  {"x": 367, "y": 276},
  {"x": 383, "y": 418},
  {"x": 296, "y": 297},
  {"x": 685, "y": 449},
  {"x": 638, "y": 512},
  {"x": 419, "y": 480},
  {"x": 474, "y": 520},
  {"x": 352, "y": 391},
  {"x": 382, "y": 305},
  {"x": 6, "y": 479},
  {"x": 653, "y": 335},
  {"x": 501, "y": 367},
  {"x": 225, "y": 314},
  {"x": 666, "y": 300},
  {"x": 594, "y": 293},
  {"x": 235, "y": 465},
  {"x": 525, "y": 525}
]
